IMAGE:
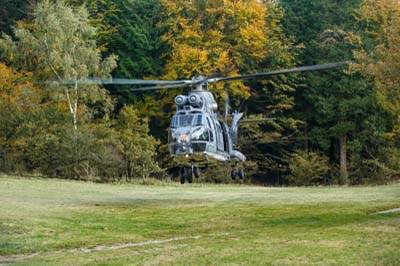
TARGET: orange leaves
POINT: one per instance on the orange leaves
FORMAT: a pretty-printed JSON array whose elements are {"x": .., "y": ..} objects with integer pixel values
[
  {"x": 210, "y": 36},
  {"x": 6, "y": 75},
  {"x": 14, "y": 87}
]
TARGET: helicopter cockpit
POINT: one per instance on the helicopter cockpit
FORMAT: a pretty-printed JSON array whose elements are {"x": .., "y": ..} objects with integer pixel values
[{"x": 189, "y": 132}]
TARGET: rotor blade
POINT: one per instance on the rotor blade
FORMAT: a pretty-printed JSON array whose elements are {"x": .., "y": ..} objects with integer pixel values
[
  {"x": 257, "y": 120},
  {"x": 283, "y": 71},
  {"x": 182, "y": 83},
  {"x": 118, "y": 81},
  {"x": 203, "y": 80},
  {"x": 172, "y": 86}
]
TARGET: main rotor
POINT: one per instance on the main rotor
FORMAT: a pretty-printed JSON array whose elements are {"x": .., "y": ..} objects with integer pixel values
[
  {"x": 200, "y": 83},
  {"x": 197, "y": 83}
]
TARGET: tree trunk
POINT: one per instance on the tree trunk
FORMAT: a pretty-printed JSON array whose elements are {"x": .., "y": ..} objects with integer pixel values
[{"x": 344, "y": 176}]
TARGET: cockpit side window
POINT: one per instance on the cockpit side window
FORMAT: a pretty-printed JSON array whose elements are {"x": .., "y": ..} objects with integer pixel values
[
  {"x": 208, "y": 122},
  {"x": 211, "y": 136},
  {"x": 199, "y": 120},
  {"x": 174, "y": 123}
]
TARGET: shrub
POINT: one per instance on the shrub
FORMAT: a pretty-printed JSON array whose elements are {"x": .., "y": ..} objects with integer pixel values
[{"x": 307, "y": 168}]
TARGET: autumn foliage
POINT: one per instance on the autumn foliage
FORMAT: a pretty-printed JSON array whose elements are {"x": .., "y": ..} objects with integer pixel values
[{"x": 338, "y": 126}]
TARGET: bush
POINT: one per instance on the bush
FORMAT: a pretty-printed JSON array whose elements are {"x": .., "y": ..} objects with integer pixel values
[
  {"x": 307, "y": 168},
  {"x": 219, "y": 174},
  {"x": 381, "y": 169}
]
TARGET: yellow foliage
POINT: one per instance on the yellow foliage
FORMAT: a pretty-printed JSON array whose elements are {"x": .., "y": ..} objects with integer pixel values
[
  {"x": 381, "y": 18},
  {"x": 62, "y": 106},
  {"x": 14, "y": 87},
  {"x": 186, "y": 60},
  {"x": 212, "y": 36}
]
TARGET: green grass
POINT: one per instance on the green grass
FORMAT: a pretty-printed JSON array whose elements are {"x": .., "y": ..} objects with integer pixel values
[{"x": 56, "y": 222}]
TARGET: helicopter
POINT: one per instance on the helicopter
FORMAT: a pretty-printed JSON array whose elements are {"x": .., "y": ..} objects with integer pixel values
[{"x": 198, "y": 135}]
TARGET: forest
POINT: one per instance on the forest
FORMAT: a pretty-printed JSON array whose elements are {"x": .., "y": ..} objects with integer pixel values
[{"x": 339, "y": 126}]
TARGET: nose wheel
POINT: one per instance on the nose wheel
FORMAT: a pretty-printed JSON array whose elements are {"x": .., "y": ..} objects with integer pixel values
[
  {"x": 237, "y": 172},
  {"x": 186, "y": 174}
]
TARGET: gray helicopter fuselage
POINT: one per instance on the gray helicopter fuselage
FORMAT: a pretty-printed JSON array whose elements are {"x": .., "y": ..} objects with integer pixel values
[{"x": 197, "y": 135}]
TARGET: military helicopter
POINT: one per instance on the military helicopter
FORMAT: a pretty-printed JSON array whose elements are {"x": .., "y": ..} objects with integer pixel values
[{"x": 198, "y": 135}]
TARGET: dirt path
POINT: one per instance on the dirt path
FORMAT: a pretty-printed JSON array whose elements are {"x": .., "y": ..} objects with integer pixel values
[
  {"x": 138, "y": 244},
  {"x": 14, "y": 258},
  {"x": 389, "y": 211},
  {"x": 6, "y": 260}
]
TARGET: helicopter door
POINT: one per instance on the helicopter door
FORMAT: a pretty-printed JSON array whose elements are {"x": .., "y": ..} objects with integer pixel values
[
  {"x": 225, "y": 136},
  {"x": 220, "y": 138}
]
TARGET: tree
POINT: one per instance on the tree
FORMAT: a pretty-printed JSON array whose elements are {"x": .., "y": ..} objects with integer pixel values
[
  {"x": 307, "y": 167},
  {"x": 103, "y": 15},
  {"x": 138, "y": 146},
  {"x": 268, "y": 144},
  {"x": 12, "y": 11},
  {"x": 340, "y": 108},
  {"x": 379, "y": 61},
  {"x": 334, "y": 105},
  {"x": 19, "y": 101},
  {"x": 213, "y": 36},
  {"x": 137, "y": 43},
  {"x": 59, "y": 45},
  {"x": 137, "y": 39},
  {"x": 127, "y": 28},
  {"x": 227, "y": 38},
  {"x": 206, "y": 37}
]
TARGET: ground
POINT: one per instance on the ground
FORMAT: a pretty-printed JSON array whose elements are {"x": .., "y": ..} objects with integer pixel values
[{"x": 56, "y": 222}]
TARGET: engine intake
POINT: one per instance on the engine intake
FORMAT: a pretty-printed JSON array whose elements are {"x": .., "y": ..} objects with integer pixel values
[
  {"x": 195, "y": 100},
  {"x": 181, "y": 100}
]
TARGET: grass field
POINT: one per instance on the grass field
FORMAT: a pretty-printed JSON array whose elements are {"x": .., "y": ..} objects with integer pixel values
[{"x": 55, "y": 222}]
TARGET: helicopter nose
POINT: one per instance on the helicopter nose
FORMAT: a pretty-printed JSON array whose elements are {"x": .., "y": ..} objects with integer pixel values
[
  {"x": 183, "y": 138},
  {"x": 183, "y": 148}
]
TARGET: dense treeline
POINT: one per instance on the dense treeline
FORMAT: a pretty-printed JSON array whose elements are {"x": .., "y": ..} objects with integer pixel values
[
  {"x": 338, "y": 126},
  {"x": 67, "y": 131}
]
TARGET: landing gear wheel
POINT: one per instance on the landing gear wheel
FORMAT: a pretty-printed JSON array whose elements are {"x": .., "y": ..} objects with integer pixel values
[
  {"x": 241, "y": 173},
  {"x": 234, "y": 173},
  {"x": 182, "y": 176},
  {"x": 188, "y": 174},
  {"x": 196, "y": 172}
]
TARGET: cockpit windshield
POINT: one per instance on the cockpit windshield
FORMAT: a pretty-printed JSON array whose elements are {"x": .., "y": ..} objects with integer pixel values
[{"x": 187, "y": 120}]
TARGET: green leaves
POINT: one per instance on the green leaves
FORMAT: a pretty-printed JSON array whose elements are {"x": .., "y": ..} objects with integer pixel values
[
  {"x": 379, "y": 21},
  {"x": 178, "y": 39},
  {"x": 138, "y": 147},
  {"x": 308, "y": 168},
  {"x": 59, "y": 44}
]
